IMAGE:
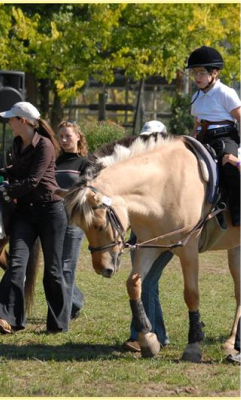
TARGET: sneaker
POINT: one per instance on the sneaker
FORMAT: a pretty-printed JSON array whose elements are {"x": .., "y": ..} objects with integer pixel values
[
  {"x": 234, "y": 358},
  {"x": 131, "y": 345},
  {"x": 5, "y": 327}
]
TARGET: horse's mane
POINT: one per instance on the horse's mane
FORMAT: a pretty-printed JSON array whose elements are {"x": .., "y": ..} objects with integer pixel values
[
  {"x": 120, "y": 150},
  {"x": 77, "y": 205}
]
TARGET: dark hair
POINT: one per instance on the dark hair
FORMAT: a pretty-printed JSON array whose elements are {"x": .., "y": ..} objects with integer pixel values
[
  {"x": 82, "y": 143},
  {"x": 44, "y": 129}
]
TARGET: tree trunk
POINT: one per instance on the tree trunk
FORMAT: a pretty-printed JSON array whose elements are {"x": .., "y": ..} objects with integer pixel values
[
  {"x": 56, "y": 112},
  {"x": 31, "y": 88},
  {"x": 44, "y": 97}
]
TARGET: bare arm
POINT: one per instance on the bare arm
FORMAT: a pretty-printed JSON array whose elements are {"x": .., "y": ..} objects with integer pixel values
[
  {"x": 236, "y": 113},
  {"x": 230, "y": 158}
]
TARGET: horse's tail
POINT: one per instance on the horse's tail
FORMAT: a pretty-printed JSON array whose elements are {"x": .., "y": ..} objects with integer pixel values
[
  {"x": 31, "y": 276},
  {"x": 3, "y": 254},
  {"x": 31, "y": 272}
]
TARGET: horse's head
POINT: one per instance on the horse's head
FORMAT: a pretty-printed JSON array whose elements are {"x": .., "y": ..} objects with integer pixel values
[{"x": 104, "y": 224}]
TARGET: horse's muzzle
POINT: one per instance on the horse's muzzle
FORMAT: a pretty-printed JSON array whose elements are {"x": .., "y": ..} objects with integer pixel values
[
  {"x": 113, "y": 267},
  {"x": 107, "y": 272}
]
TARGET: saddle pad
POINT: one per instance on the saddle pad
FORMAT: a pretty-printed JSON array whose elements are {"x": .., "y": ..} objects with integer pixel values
[{"x": 201, "y": 153}]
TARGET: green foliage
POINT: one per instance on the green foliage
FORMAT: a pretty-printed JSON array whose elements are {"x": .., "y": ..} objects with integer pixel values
[
  {"x": 69, "y": 43},
  {"x": 181, "y": 122},
  {"x": 100, "y": 133}
]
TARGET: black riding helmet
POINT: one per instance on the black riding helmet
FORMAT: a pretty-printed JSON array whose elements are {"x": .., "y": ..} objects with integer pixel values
[{"x": 205, "y": 57}]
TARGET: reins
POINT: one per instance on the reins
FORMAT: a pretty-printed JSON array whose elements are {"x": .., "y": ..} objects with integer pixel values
[{"x": 180, "y": 243}]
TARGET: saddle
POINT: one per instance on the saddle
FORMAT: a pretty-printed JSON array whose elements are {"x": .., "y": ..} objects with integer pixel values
[
  {"x": 208, "y": 166},
  {"x": 215, "y": 227}
]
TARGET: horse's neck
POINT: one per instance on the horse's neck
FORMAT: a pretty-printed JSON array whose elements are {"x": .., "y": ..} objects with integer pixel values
[
  {"x": 158, "y": 185},
  {"x": 134, "y": 183}
]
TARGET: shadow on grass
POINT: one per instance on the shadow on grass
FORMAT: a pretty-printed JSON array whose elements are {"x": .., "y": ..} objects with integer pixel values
[
  {"x": 65, "y": 352},
  {"x": 209, "y": 340}
]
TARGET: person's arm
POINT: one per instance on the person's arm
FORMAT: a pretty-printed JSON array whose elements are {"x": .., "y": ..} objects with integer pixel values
[
  {"x": 236, "y": 113},
  {"x": 230, "y": 158},
  {"x": 40, "y": 164}
]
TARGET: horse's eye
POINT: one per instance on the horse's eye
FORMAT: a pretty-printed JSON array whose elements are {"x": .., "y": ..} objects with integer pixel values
[{"x": 99, "y": 228}]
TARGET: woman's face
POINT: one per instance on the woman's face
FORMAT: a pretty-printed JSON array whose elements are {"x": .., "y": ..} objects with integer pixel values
[
  {"x": 16, "y": 125},
  {"x": 68, "y": 139}
]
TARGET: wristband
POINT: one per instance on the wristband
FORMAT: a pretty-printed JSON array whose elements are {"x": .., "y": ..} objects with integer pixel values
[{"x": 237, "y": 164}]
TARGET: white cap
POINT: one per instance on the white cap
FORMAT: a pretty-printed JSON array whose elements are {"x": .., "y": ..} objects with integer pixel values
[
  {"x": 153, "y": 126},
  {"x": 22, "y": 109}
]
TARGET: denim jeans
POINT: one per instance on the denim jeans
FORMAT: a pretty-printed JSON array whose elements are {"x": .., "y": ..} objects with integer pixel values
[
  {"x": 72, "y": 243},
  {"x": 47, "y": 221},
  {"x": 150, "y": 297}
]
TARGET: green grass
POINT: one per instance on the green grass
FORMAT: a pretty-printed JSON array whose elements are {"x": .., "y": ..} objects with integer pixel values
[{"x": 88, "y": 361}]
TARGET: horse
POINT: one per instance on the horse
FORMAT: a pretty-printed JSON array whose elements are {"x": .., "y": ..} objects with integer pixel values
[{"x": 155, "y": 186}]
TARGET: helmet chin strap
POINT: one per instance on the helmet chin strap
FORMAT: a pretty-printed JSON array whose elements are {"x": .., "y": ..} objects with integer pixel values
[
  {"x": 206, "y": 87},
  {"x": 209, "y": 84}
]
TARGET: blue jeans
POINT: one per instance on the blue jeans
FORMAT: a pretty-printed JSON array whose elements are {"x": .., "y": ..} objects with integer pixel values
[
  {"x": 150, "y": 297},
  {"x": 47, "y": 221},
  {"x": 72, "y": 243}
]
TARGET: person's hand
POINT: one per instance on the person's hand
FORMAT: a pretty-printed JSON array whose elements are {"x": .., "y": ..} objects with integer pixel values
[{"x": 229, "y": 158}]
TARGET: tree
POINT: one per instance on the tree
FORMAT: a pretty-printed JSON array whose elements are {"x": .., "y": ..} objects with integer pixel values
[{"x": 63, "y": 45}]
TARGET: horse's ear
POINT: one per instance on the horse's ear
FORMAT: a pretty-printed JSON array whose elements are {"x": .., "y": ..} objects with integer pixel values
[{"x": 62, "y": 192}]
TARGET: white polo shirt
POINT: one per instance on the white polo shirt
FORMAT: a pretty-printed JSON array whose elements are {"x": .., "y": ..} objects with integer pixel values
[{"x": 216, "y": 104}]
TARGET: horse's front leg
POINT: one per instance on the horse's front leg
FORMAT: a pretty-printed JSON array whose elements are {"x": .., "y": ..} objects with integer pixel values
[
  {"x": 190, "y": 265},
  {"x": 147, "y": 340},
  {"x": 234, "y": 267}
]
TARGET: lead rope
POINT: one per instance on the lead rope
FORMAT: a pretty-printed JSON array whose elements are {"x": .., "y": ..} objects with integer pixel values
[{"x": 180, "y": 243}]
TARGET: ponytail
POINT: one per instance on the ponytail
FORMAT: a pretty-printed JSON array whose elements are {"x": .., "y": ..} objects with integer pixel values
[{"x": 44, "y": 129}]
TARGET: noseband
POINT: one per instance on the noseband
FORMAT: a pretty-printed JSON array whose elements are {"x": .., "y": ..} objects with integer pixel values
[{"x": 115, "y": 223}]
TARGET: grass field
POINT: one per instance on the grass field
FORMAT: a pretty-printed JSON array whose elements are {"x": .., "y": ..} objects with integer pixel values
[{"x": 88, "y": 361}]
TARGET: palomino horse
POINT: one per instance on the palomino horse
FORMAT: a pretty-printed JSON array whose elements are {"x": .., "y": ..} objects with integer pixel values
[{"x": 154, "y": 186}]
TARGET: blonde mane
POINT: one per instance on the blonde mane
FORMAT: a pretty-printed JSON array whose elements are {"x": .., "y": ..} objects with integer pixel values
[
  {"x": 78, "y": 207},
  {"x": 139, "y": 146}
]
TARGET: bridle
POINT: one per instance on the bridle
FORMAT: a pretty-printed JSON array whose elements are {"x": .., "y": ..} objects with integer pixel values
[{"x": 117, "y": 228}]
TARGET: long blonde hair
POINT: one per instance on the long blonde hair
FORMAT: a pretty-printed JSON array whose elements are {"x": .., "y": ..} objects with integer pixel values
[{"x": 82, "y": 145}]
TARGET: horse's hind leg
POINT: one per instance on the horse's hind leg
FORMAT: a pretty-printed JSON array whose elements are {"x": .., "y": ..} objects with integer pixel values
[
  {"x": 189, "y": 262},
  {"x": 234, "y": 267},
  {"x": 149, "y": 344}
]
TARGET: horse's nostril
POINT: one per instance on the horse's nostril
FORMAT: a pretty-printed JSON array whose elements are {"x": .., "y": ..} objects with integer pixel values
[{"x": 107, "y": 273}]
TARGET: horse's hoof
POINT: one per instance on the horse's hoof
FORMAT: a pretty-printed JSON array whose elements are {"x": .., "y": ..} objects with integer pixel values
[
  {"x": 149, "y": 344},
  {"x": 192, "y": 353}
]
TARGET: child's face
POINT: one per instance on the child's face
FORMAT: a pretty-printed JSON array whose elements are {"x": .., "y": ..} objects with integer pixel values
[{"x": 202, "y": 77}]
